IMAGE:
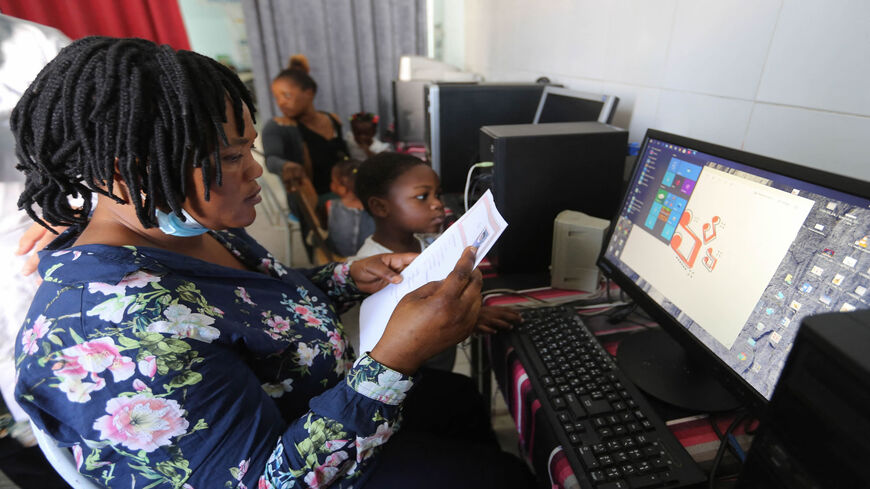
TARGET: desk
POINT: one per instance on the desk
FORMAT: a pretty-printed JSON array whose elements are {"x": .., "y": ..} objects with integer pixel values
[{"x": 538, "y": 442}]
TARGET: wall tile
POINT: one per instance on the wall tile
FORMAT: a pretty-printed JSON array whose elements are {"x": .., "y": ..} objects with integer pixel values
[
  {"x": 719, "y": 47},
  {"x": 820, "y": 57},
  {"x": 833, "y": 142}
]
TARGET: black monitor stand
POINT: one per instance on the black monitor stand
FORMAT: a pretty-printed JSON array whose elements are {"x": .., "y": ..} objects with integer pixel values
[{"x": 660, "y": 367}]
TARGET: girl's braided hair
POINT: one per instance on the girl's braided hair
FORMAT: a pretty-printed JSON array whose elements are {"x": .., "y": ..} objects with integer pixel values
[{"x": 152, "y": 111}]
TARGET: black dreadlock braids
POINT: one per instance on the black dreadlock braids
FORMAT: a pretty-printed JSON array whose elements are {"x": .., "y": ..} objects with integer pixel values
[{"x": 152, "y": 110}]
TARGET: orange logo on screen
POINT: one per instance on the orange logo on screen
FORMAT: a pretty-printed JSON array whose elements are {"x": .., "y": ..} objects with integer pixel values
[{"x": 687, "y": 245}]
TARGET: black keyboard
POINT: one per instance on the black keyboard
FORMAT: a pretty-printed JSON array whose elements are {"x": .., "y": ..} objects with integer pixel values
[{"x": 611, "y": 436}]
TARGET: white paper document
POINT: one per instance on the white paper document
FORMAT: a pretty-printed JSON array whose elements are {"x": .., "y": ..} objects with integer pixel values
[{"x": 480, "y": 226}]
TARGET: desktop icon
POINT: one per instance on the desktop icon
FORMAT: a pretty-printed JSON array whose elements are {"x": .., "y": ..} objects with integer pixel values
[
  {"x": 850, "y": 262},
  {"x": 760, "y": 326},
  {"x": 806, "y": 288},
  {"x": 816, "y": 270},
  {"x": 741, "y": 357},
  {"x": 860, "y": 290},
  {"x": 831, "y": 206},
  {"x": 775, "y": 337},
  {"x": 789, "y": 278},
  {"x": 846, "y": 307},
  {"x": 838, "y": 279},
  {"x": 750, "y": 342},
  {"x": 829, "y": 252}
]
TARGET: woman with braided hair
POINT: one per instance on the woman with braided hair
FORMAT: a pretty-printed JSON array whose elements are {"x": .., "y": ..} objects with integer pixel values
[{"x": 167, "y": 348}]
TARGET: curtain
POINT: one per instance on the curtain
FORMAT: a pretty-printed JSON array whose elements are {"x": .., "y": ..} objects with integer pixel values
[
  {"x": 353, "y": 47},
  {"x": 156, "y": 20}
]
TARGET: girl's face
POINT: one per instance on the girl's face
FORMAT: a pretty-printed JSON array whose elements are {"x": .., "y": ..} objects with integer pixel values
[
  {"x": 413, "y": 204},
  {"x": 291, "y": 99}
]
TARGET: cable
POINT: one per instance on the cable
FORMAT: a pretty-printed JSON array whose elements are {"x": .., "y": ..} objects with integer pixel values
[
  {"x": 513, "y": 292},
  {"x": 482, "y": 164},
  {"x": 722, "y": 446}
]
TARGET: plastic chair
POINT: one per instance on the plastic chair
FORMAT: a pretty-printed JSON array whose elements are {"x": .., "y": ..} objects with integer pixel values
[{"x": 62, "y": 460}]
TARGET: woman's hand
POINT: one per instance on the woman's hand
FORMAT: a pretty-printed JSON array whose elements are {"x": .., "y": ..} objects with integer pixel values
[
  {"x": 373, "y": 273},
  {"x": 492, "y": 319},
  {"x": 293, "y": 175},
  {"x": 35, "y": 239},
  {"x": 432, "y": 318}
]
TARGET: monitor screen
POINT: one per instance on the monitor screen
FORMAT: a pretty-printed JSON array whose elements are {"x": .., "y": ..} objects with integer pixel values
[
  {"x": 563, "y": 105},
  {"x": 731, "y": 250}
]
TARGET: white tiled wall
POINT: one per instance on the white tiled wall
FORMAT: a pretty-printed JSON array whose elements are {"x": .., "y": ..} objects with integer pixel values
[{"x": 784, "y": 78}]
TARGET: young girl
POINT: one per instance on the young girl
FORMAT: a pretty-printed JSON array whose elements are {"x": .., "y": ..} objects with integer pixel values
[
  {"x": 401, "y": 192},
  {"x": 362, "y": 140},
  {"x": 349, "y": 224}
]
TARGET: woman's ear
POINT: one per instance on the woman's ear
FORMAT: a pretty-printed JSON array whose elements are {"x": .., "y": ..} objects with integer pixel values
[{"x": 379, "y": 207}]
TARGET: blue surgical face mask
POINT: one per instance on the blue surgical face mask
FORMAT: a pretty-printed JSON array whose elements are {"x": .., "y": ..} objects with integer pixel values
[{"x": 172, "y": 225}]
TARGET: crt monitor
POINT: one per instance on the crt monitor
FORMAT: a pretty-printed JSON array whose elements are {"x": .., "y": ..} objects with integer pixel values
[
  {"x": 563, "y": 105},
  {"x": 729, "y": 251}
]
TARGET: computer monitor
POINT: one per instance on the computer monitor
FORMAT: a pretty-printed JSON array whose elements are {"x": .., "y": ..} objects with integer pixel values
[
  {"x": 455, "y": 112},
  {"x": 728, "y": 251},
  {"x": 564, "y": 105}
]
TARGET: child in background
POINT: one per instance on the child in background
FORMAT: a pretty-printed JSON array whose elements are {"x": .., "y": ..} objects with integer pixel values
[
  {"x": 362, "y": 142},
  {"x": 348, "y": 223},
  {"x": 401, "y": 192}
]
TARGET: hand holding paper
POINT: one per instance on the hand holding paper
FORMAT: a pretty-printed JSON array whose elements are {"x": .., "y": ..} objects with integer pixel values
[
  {"x": 432, "y": 318},
  {"x": 481, "y": 226}
]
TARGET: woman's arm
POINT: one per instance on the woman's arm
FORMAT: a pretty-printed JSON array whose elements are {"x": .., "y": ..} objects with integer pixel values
[{"x": 281, "y": 144}]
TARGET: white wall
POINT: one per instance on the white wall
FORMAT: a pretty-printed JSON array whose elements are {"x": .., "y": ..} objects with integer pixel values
[{"x": 784, "y": 78}]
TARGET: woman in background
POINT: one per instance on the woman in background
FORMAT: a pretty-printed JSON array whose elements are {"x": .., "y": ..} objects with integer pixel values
[{"x": 304, "y": 141}]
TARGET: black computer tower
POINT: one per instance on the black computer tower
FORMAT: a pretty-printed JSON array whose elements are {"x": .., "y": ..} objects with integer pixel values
[
  {"x": 542, "y": 169},
  {"x": 455, "y": 112},
  {"x": 816, "y": 430}
]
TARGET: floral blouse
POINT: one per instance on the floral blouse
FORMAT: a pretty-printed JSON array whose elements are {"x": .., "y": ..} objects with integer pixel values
[{"x": 160, "y": 370}]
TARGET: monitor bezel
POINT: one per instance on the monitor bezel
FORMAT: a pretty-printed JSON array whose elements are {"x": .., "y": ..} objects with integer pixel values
[
  {"x": 608, "y": 107},
  {"x": 694, "y": 347}
]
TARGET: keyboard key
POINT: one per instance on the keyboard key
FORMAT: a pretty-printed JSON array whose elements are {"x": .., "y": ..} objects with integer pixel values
[
  {"x": 605, "y": 460},
  {"x": 575, "y": 407},
  {"x": 612, "y": 473},
  {"x": 597, "y": 476},
  {"x": 599, "y": 449},
  {"x": 593, "y": 406},
  {"x": 587, "y": 457},
  {"x": 558, "y": 403},
  {"x": 617, "y": 484},
  {"x": 643, "y": 481}
]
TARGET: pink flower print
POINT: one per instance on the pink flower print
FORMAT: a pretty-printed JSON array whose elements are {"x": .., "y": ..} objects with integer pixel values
[
  {"x": 242, "y": 294},
  {"x": 337, "y": 343},
  {"x": 243, "y": 468},
  {"x": 76, "y": 255},
  {"x": 141, "y": 422},
  {"x": 29, "y": 336},
  {"x": 313, "y": 320},
  {"x": 101, "y": 354},
  {"x": 28, "y": 342},
  {"x": 137, "y": 279},
  {"x": 148, "y": 366},
  {"x": 77, "y": 455},
  {"x": 323, "y": 475},
  {"x": 265, "y": 264},
  {"x": 139, "y": 385},
  {"x": 262, "y": 483},
  {"x": 364, "y": 446},
  {"x": 41, "y": 326},
  {"x": 302, "y": 311},
  {"x": 278, "y": 324},
  {"x": 340, "y": 273}
]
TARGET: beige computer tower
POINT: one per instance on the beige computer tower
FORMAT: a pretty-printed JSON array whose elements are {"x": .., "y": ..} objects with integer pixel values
[{"x": 577, "y": 240}]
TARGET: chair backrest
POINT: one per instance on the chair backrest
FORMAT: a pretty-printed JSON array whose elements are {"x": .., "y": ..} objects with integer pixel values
[{"x": 62, "y": 460}]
